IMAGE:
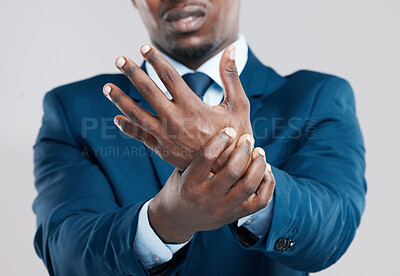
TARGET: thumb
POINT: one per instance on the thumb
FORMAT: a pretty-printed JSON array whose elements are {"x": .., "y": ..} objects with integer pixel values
[{"x": 234, "y": 94}]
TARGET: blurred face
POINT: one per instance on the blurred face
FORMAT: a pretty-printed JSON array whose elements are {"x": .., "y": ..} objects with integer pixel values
[{"x": 191, "y": 31}]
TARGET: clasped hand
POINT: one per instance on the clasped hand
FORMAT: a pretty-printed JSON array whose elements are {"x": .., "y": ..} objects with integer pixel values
[
  {"x": 198, "y": 200},
  {"x": 218, "y": 177}
]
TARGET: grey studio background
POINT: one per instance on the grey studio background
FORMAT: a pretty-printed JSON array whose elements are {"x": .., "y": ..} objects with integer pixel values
[{"x": 46, "y": 43}]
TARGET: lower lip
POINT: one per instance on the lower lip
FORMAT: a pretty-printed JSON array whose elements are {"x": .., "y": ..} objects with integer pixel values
[{"x": 186, "y": 26}]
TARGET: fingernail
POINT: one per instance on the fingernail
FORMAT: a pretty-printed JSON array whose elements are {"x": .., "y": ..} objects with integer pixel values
[
  {"x": 145, "y": 49},
  {"x": 116, "y": 122},
  {"x": 107, "y": 90},
  {"x": 261, "y": 152},
  {"x": 232, "y": 54},
  {"x": 243, "y": 139},
  {"x": 120, "y": 62},
  {"x": 250, "y": 139},
  {"x": 230, "y": 132},
  {"x": 269, "y": 167}
]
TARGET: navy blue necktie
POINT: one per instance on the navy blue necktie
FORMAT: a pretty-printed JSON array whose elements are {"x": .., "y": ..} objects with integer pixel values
[{"x": 198, "y": 82}]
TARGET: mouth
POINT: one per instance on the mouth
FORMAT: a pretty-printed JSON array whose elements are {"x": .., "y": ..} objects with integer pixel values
[{"x": 186, "y": 19}]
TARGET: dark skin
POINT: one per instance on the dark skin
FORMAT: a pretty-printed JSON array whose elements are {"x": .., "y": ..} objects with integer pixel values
[
  {"x": 195, "y": 200},
  {"x": 219, "y": 30},
  {"x": 219, "y": 177},
  {"x": 186, "y": 123}
]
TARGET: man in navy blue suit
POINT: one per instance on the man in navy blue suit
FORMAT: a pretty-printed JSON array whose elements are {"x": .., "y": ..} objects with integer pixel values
[{"x": 192, "y": 193}]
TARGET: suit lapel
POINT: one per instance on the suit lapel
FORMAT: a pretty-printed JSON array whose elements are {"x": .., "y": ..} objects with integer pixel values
[{"x": 258, "y": 82}]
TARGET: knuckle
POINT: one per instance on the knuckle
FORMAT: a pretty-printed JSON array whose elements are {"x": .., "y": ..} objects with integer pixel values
[
  {"x": 271, "y": 186},
  {"x": 219, "y": 141},
  {"x": 218, "y": 165},
  {"x": 244, "y": 103},
  {"x": 233, "y": 175},
  {"x": 168, "y": 75},
  {"x": 125, "y": 128},
  {"x": 116, "y": 96},
  {"x": 262, "y": 166},
  {"x": 232, "y": 105},
  {"x": 270, "y": 180},
  {"x": 249, "y": 189},
  {"x": 152, "y": 58},
  {"x": 132, "y": 116},
  {"x": 208, "y": 154},
  {"x": 231, "y": 73},
  {"x": 248, "y": 151},
  {"x": 241, "y": 103},
  {"x": 147, "y": 90},
  {"x": 138, "y": 134},
  {"x": 273, "y": 182},
  {"x": 130, "y": 71}
]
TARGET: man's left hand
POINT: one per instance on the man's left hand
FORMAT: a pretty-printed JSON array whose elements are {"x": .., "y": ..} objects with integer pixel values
[{"x": 185, "y": 123}]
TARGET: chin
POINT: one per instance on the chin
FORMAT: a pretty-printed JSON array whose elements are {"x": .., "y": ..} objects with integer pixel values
[
  {"x": 193, "y": 52},
  {"x": 191, "y": 47}
]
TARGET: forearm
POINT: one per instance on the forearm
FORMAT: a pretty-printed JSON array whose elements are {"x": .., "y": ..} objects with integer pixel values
[
  {"x": 84, "y": 241},
  {"x": 318, "y": 219}
]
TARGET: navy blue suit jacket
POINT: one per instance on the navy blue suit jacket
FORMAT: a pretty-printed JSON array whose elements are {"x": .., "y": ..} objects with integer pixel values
[{"x": 92, "y": 180}]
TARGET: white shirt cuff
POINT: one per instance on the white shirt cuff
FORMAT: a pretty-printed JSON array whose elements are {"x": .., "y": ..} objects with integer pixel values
[
  {"x": 149, "y": 248},
  {"x": 258, "y": 222}
]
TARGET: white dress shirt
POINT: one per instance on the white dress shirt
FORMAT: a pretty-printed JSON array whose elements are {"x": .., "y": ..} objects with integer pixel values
[{"x": 149, "y": 248}]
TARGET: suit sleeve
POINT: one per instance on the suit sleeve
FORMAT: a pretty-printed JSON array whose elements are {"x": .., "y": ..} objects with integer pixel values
[
  {"x": 320, "y": 189},
  {"x": 81, "y": 230}
]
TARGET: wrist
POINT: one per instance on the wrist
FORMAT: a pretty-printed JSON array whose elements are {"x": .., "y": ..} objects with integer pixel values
[{"x": 167, "y": 227}]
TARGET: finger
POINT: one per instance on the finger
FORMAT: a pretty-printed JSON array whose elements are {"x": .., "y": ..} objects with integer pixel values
[
  {"x": 220, "y": 163},
  {"x": 234, "y": 95},
  {"x": 135, "y": 132},
  {"x": 260, "y": 198},
  {"x": 174, "y": 83},
  {"x": 250, "y": 181},
  {"x": 144, "y": 84},
  {"x": 199, "y": 169},
  {"x": 131, "y": 109},
  {"x": 236, "y": 165}
]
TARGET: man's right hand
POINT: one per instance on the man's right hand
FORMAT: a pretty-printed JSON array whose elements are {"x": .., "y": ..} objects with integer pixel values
[{"x": 197, "y": 200}]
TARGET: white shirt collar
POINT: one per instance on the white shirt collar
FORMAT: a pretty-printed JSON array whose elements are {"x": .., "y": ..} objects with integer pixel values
[{"x": 210, "y": 68}]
